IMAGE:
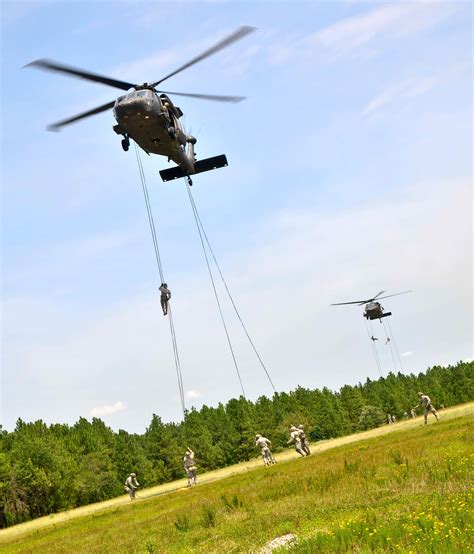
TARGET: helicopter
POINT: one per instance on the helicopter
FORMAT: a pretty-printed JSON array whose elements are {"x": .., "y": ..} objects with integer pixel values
[
  {"x": 149, "y": 117},
  {"x": 373, "y": 310}
]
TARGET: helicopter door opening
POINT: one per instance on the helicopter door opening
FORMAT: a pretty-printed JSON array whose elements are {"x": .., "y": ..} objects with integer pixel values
[{"x": 168, "y": 112}]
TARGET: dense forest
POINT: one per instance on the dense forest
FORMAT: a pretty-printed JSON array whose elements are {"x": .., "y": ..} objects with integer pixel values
[{"x": 45, "y": 469}]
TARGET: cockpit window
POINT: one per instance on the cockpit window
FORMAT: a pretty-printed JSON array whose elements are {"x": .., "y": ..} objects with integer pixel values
[{"x": 143, "y": 92}]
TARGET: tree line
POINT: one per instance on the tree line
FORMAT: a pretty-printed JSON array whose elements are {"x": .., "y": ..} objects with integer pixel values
[{"x": 46, "y": 469}]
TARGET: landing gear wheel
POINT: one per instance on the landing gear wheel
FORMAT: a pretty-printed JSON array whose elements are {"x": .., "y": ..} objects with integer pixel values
[{"x": 125, "y": 144}]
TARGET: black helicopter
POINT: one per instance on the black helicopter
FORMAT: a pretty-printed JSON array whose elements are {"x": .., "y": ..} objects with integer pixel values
[
  {"x": 150, "y": 118},
  {"x": 373, "y": 310}
]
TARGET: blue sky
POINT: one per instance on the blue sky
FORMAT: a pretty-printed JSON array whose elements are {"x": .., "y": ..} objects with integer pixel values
[{"x": 350, "y": 171}]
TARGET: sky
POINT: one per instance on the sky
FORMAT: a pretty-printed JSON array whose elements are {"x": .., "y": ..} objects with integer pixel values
[{"x": 350, "y": 172}]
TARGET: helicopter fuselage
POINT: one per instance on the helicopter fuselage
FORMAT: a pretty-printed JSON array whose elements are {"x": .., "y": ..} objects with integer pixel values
[
  {"x": 149, "y": 117},
  {"x": 374, "y": 310},
  {"x": 152, "y": 121}
]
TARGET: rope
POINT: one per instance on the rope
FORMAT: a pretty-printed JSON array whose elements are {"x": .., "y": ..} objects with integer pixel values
[
  {"x": 177, "y": 361},
  {"x": 227, "y": 289},
  {"x": 160, "y": 270},
  {"x": 395, "y": 345},
  {"x": 390, "y": 346},
  {"x": 374, "y": 349},
  {"x": 214, "y": 287}
]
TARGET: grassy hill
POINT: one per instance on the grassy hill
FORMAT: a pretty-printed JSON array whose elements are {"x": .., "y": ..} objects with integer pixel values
[{"x": 399, "y": 488}]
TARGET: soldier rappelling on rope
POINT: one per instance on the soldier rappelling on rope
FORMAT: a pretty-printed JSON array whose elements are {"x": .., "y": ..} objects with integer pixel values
[{"x": 165, "y": 297}]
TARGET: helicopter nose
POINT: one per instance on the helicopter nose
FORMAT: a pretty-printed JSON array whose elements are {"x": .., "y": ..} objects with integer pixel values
[{"x": 135, "y": 106}]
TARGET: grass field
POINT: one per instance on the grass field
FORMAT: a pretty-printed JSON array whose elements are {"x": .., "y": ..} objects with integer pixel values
[{"x": 400, "y": 488}]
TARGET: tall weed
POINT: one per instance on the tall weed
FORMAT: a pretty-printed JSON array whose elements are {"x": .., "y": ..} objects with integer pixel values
[
  {"x": 209, "y": 516},
  {"x": 182, "y": 522}
]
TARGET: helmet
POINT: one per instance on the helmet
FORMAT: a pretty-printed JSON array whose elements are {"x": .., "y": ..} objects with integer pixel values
[
  {"x": 133, "y": 474},
  {"x": 420, "y": 394},
  {"x": 164, "y": 285},
  {"x": 257, "y": 436},
  {"x": 300, "y": 426}
]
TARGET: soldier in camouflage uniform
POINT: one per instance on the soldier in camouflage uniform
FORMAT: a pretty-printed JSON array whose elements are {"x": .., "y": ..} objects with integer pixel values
[
  {"x": 304, "y": 440},
  {"x": 190, "y": 467},
  {"x": 264, "y": 444},
  {"x": 296, "y": 439},
  {"x": 131, "y": 485},
  {"x": 428, "y": 407},
  {"x": 164, "y": 297}
]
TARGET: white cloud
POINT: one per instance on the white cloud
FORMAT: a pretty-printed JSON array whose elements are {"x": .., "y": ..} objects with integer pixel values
[
  {"x": 359, "y": 35},
  {"x": 408, "y": 89},
  {"x": 405, "y": 88},
  {"x": 384, "y": 22},
  {"x": 192, "y": 394},
  {"x": 406, "y": 354},
  {"x": 105, "y": 410}
]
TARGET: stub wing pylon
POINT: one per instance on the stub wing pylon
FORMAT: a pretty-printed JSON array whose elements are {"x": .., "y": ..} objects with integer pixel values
[{"x": 200, "y": 166}]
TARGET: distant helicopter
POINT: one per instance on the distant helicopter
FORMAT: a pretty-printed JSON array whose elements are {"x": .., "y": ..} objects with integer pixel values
[
  {"x": 373, "y": 310},
  {"x": 150, "y": 118}
]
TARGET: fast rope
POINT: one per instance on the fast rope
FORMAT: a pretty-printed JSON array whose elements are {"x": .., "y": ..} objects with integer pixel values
[
  {"x": 160, "y": 270},
  {"x": 374, "y": 348},
  {"x": 195, "y": 210},
  {"x": 395, "y": 345},
  {"x": 389, "y": 342},
  {"x": 214, "y": 287}
]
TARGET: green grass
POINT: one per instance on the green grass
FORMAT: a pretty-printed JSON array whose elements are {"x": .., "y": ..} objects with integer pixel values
[{"x": 406, "y": 491}]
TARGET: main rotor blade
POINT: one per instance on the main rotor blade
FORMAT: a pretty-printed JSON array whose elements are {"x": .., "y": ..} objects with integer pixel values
[
  {"x": 215, "y": 97},
  {"x": 377, "y": 295},
  {"x": 360, "y": 302},
  {"x": 56, "y": 126},
  {"x": 236, "y": 35},
  {"x": 51, "y": 65},
  {"x": 396, "y": 294}
]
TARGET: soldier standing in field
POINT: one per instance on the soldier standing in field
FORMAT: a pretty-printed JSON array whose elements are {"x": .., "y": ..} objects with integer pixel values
[
  {"x": 190, "y": 467},
  {"x": 296, "y": 439},
  {"x": 428, "y": 407},
  {"x": 304, "y": 440},
  {"x": 264, "y": 444},
  {"x": 131, "y": 485}
]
